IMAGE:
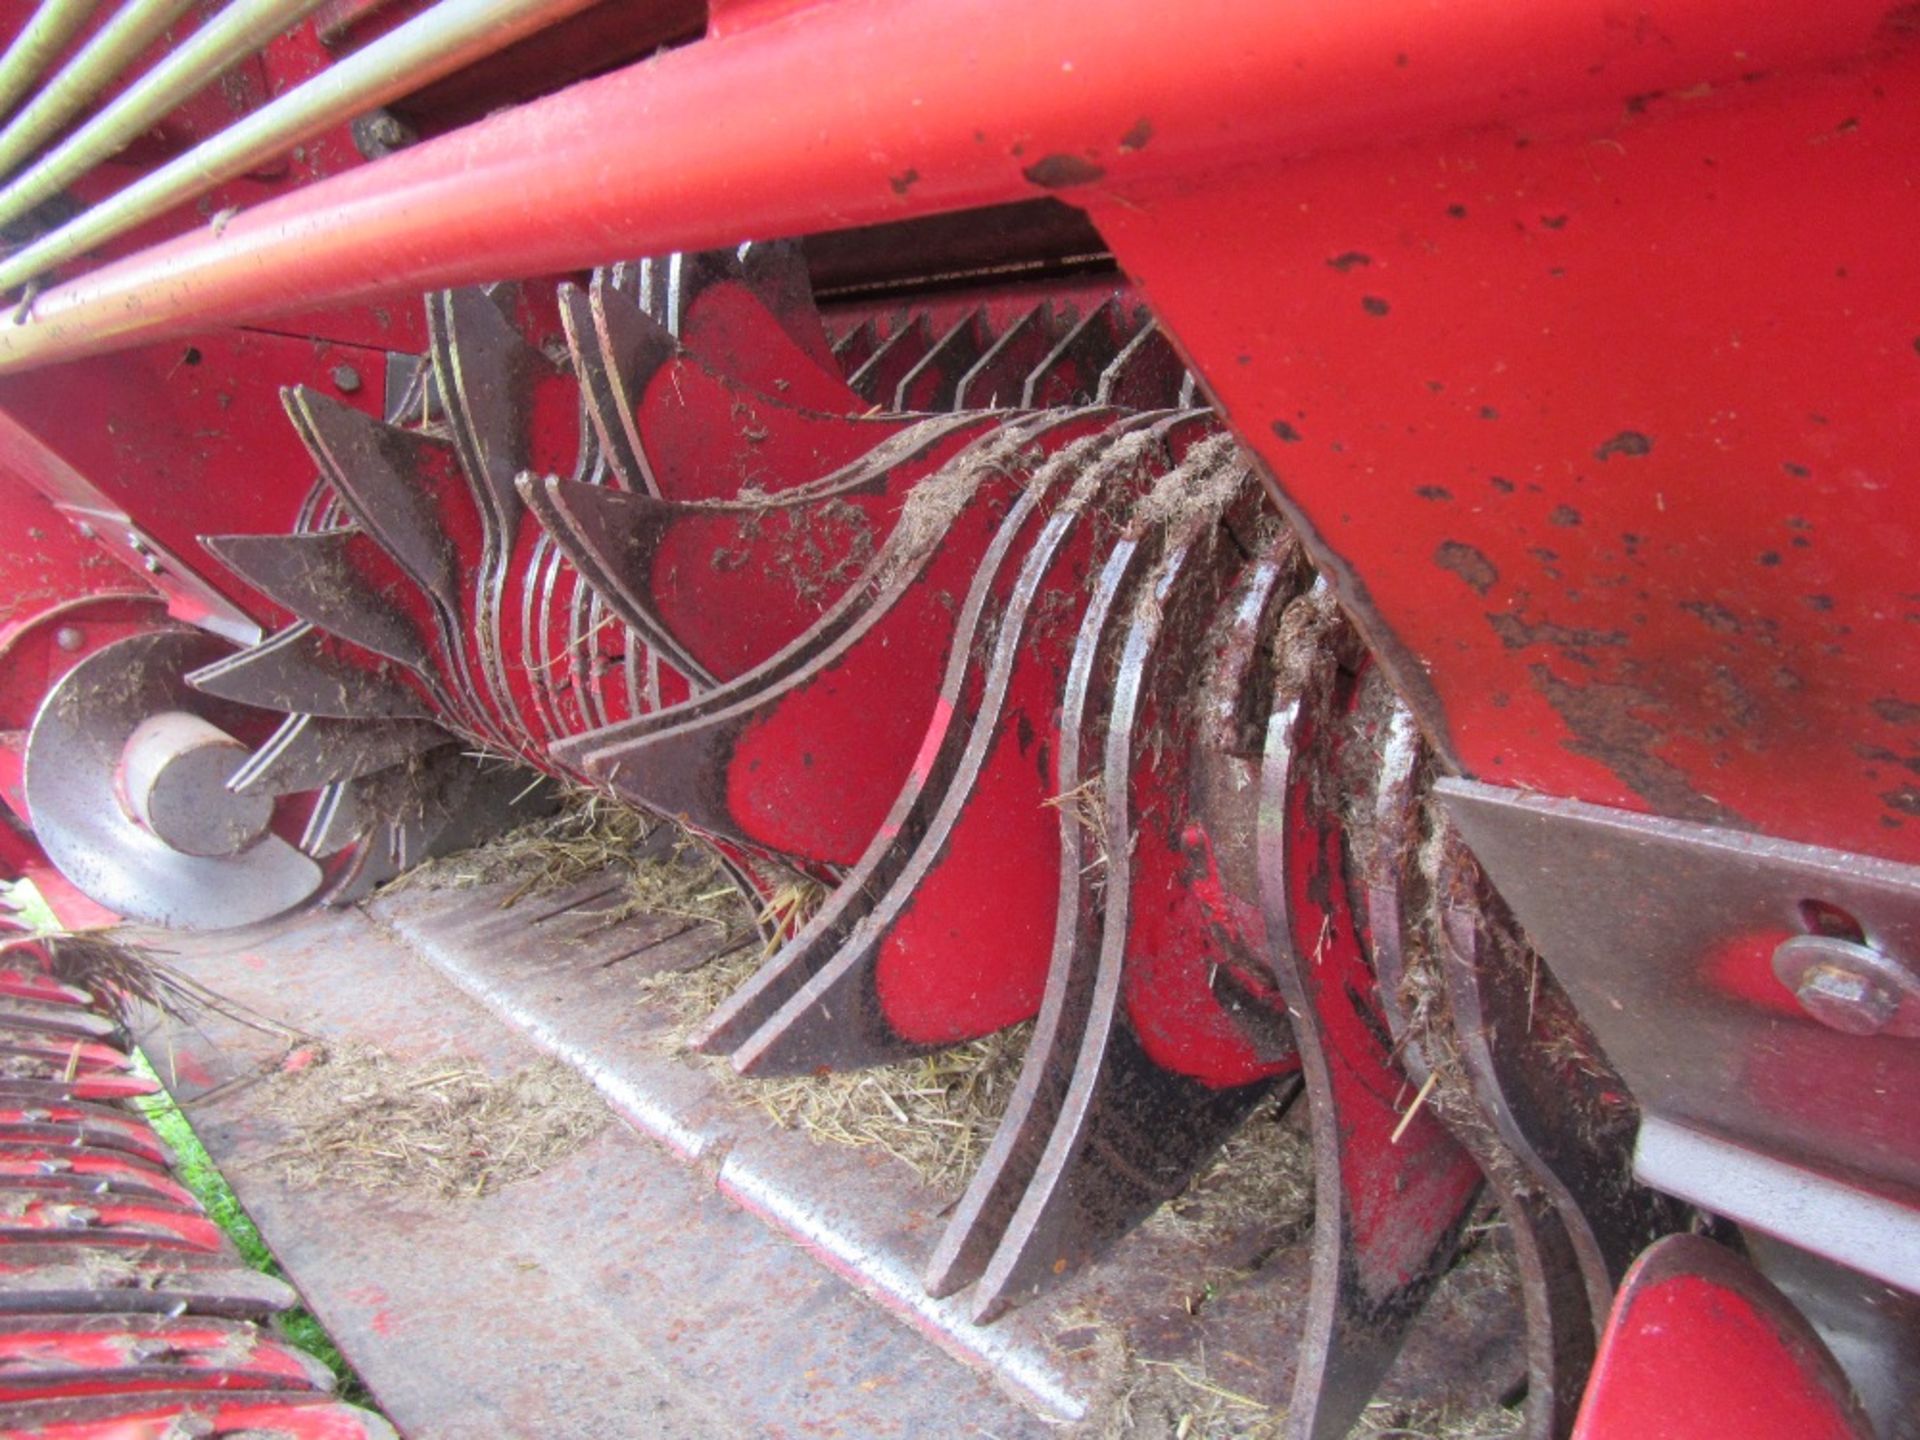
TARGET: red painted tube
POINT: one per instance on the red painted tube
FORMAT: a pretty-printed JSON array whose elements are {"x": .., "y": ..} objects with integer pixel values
[{"x": 856, "y": 111}]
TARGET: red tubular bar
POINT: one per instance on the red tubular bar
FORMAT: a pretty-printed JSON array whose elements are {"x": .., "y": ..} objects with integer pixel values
[{"x": 816, "y": 121}]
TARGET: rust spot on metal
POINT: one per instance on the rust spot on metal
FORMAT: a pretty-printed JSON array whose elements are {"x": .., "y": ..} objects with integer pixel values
[
  {"x": 1896, "y": 711},
  {"x": 1058, "y": 172},
  {"x": 1286, "y": 432},
  {"x": 1433, "y": 492},
  {"x": 1354, "y": 259},
  {"x": 904, "y": 181},
  {"x": 1906, "y": 800},
  {"x": 1799, "y": 472},
  {"x": 1137, "y": 136},
  {"x": 1487, "y": 412},
  {"x": 1564, "y": 515},
  {"x": 1627, "y": 442},
  {"x": 1716, "y": 618},
  {"x": 1468, "y": 562},
  {"x": 1605, "y": 728},
  {"x": 1456, "y": 211},
  {"x": 1374, "y": 305},
  {"x": 1554, "y": 222},
  {"x": 1501, "y": 483},
  {"x": 1517, "y": 632}
]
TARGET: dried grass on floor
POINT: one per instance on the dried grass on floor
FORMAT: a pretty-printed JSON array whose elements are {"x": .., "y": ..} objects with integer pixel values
[
  {"x": 935, "y": 1114},
  {"x": 1262, "y": 1174},
  {"x": 439, "y": 1126},
  {"x": 1142, "y": 1399},
  {"x": 586, "y": 835},
  {"x": 1384, "y": 1420}
]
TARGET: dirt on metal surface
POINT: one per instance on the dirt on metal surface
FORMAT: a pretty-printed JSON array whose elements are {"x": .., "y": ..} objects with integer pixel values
[{"x": 440, "y": 1125}]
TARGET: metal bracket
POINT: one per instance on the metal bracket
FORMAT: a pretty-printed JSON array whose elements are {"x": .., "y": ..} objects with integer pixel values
[{"x": 1664, "y": 933}]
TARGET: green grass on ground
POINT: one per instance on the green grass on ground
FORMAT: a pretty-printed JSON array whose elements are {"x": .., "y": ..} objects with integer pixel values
[{"x": 196, "y": 1170}]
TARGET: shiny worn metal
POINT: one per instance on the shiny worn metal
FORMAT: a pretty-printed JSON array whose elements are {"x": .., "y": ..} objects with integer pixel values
[{"x": 74, "y": 755}]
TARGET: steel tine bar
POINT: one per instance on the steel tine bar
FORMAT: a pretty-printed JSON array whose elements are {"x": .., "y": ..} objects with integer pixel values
[
  {"x": 445, "y": 38},
  {"x": 39, "y": 40},
  {"x": 215, "y": 48},
  {"x": 82, "y": 79}
]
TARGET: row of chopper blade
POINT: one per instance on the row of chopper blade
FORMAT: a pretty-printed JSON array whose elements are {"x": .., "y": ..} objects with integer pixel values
[{"x": 1047, "y": 694}]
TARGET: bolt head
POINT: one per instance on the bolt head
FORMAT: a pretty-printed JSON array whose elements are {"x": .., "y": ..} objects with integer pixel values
[
  {"x": 1845, "y": 1000},
  {"x": 69, "y": 638},
  {"x": 346, "y": 379}
]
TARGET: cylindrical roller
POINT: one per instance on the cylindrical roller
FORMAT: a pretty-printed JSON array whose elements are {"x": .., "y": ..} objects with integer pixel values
[{"x": 173, "y": 781}]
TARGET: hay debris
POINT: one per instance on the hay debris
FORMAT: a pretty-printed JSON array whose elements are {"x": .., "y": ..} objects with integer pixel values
[
  {"x": 1197, "y": 490},
  {"x": 1086, "y": 804},
  {"x": 440, "y": 1126},
  {"x": 1391, "y": 1420},
  {"x": 1262, "y": 1175},
  {"x": 935, "y": 1114},
  {"x": 588, "y": 834},
  {"x": 125, "y": 976}
]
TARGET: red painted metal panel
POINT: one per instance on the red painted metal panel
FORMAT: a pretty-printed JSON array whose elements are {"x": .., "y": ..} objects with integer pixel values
[{"x": 1606, "y": 428}]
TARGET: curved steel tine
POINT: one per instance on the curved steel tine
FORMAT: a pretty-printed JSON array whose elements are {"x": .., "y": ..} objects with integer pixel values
[
  {"x": 1033, "y": 1110},
  {"x": 339, "y": 580},
  {"x": 807, "y": 761},
  {"x": 905, "y": 981},
  {"x": 1160, "y": 1074},
  {"x": 1571, "y": 1127},
  {"x": 380, "y": 473},
  {"x": 616, "y": 348},
  {"x": 311, "y": 751},
  {"x": 303, "y": 670},
  {"x": 408, "y": 491},
  {"x": 1393, "y": 1191},
  {"x": 847, "y": 908}
]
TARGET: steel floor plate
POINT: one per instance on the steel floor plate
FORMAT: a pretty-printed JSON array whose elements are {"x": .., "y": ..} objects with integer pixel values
[{"x": 696, "y": 1271}]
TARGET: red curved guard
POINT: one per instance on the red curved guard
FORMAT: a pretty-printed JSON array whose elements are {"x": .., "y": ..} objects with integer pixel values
[{"x": 1700, "y": 1344}]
